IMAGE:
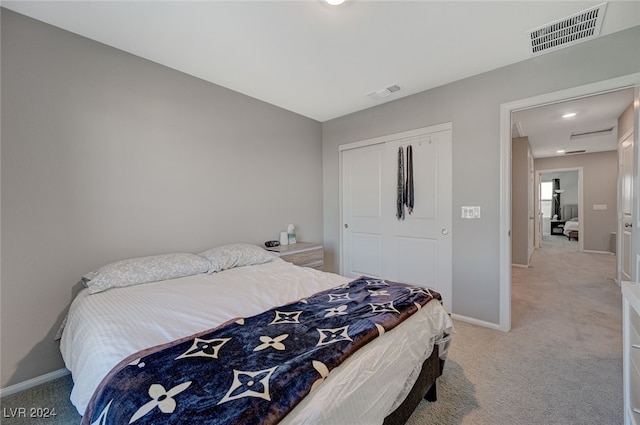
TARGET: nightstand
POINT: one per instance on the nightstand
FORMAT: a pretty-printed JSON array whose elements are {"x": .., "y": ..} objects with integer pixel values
[
  {"x": 305, "y": 254},
  {"x": 557, "y": 225}
]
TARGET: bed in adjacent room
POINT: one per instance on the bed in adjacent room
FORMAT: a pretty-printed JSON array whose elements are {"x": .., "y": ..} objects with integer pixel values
[
  {"x": 572, "y": 225},
  {"x": 120, "y": 328}
]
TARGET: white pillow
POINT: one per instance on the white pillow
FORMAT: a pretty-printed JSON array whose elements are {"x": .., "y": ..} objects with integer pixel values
[
  {"x": 145, "y": 269},
  {"x": 236, "y": 255}
]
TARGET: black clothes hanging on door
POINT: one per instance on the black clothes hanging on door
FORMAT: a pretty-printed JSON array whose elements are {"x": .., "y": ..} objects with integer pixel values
[
  {"x": 405, "y": 190},
  {"x": 400, "y": 189},
  {"x": 408, "y": 198}
]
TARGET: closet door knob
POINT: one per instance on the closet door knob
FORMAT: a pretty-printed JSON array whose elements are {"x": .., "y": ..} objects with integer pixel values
[
  {"x": 445, "y": 231},
  {"x": 628, "y": 225},
  {"x": 346, "y": 226}
]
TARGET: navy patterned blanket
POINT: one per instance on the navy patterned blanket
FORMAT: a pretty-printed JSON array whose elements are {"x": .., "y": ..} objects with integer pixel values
[{"x": 253, "y": 370}]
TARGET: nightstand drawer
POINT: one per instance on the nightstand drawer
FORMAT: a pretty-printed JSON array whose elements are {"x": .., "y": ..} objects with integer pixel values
[
  {"x": 304, "y": 254},
  {"x": 305, "y": 257},
  {"x": 318, "y": 265}
]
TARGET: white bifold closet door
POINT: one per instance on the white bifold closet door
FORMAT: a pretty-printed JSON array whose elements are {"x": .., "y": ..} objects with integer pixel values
[{"x": 375, "y": 243}]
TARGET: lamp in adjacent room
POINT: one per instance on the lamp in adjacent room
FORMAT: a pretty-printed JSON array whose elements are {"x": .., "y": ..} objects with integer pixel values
[{"x": 556, "y": 197}]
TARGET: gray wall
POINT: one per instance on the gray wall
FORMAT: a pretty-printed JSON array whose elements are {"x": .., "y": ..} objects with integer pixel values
[
  {"x": 520, "y": 154},
  {"x": 600, "y": 180},
  {"x": 625, "y": 121},
  {"x": 107, "y": 156},
  {"x": 473, "y": 105}
]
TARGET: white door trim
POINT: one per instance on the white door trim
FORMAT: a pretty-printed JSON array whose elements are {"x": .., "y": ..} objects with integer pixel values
[
  {"x": 630, "y": 80},
  {"x": 538, "y": 221},
  {"x": 620, "y": 252},
  {"x": 402, "y": 134}
]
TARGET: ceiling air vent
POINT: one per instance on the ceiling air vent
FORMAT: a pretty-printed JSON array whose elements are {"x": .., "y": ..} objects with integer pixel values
[
  {"x": 574, "y": 152},
  {"x": 565, "y": 32},
  {"x": 583, "y": 134},
  {"x": 382, "y": 93}
]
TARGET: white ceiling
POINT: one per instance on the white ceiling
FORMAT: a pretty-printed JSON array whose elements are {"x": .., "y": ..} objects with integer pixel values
[
  {"x": 549, "y": 132},
  {"x": 318, "y": 60}
]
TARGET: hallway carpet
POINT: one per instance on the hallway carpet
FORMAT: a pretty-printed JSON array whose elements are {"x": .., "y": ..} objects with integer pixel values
[{"x": 560, "y": 364}]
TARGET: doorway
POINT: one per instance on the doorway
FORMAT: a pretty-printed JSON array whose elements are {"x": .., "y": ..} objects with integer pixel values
[
  {"x": 559, "y": 208},
  {"x": 506, "y": 110}
]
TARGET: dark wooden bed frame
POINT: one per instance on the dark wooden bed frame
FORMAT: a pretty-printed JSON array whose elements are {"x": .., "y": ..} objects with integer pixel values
[{"x": 425, "y": 387}]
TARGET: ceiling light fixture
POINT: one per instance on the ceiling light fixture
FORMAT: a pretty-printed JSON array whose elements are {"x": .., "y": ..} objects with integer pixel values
[
  {"x": 560, "y": 151},
  {"x": 334, "y": 2},
  {"x": 569, "y": 115}
]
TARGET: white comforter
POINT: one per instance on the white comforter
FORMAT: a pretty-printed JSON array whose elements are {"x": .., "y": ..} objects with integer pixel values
[
  {"x": 571, "y": 225},
  {"x": 104, "y": 328}
]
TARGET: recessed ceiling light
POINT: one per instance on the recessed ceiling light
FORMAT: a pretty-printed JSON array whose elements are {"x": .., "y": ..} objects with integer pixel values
[
  {"x": 569, "y": 115},
  {"x": 334, "y": 2},
  {"x": 560, "y": 151}
]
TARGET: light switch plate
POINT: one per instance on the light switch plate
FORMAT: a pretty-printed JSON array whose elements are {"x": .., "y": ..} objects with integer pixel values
[
  {"x": 471, "y": 212},
  {"x": 599, "y": 207}
]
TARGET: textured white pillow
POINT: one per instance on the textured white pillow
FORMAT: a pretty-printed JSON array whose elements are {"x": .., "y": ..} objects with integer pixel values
[
  {"x": 236, "y": 255},
  {"x": 145, "y": 269}
]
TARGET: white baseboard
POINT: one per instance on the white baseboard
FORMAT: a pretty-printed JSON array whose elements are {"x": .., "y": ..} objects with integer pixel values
[
  {"x": 524, "y": 266},
  {"x": 473, "y": 321},
  {"x": 34, "y": 382},
  {"x": 598, "y": 252}
]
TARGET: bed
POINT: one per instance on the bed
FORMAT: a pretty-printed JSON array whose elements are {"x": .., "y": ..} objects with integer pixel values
[
  {"x": 571, "y": 225},
  {"x": 381, "y": 382}
]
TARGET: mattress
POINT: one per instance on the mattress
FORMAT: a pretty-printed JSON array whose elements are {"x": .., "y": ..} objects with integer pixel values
[
  {"x": 104, "y": 328},
  {"x": 571, "y": 226}
]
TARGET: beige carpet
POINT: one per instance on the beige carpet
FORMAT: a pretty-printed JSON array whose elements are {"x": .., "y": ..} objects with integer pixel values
[{"x": 560, "y": 364}]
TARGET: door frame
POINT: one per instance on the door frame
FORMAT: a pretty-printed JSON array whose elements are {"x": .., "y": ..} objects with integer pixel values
[
  {"x": 627, "y": 81},
  {"x": 539, "y": 174}
]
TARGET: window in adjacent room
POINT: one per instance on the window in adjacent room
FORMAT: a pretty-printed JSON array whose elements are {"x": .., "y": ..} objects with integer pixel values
[{"x": 546, "y": 198}]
